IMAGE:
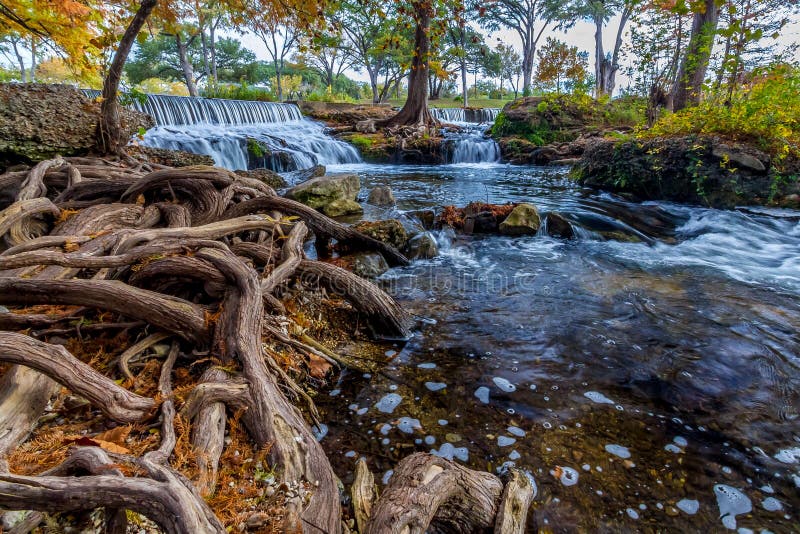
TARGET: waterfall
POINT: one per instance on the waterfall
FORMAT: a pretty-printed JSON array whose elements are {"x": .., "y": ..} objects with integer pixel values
[
  {"x": 469, "y": 143},
  {"x": 241, "y": 134}
]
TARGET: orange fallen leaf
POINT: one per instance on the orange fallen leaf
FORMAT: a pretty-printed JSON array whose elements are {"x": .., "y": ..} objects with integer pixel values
[{"x": 317, "y": 366}]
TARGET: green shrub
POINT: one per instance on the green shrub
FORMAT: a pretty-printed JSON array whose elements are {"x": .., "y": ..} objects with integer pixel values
[
  {"x": 238, "y": 92},
  {"x": 766, "y": 113}
]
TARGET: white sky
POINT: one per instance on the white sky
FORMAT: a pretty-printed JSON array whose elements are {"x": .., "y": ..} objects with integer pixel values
[{"x": 580, "y": 35}]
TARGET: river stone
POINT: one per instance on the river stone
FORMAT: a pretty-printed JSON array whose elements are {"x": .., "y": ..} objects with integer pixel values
[
  {"x": 422, "y": 246},
  {"x": 322, "y": 191},
  {"x": 558, "y": 226},
  {"x": 381, "y": 196},
  {"x": 523, "y": 220},
  {"x": 390, "y": 231},
  {"x": 341, "y": 207},
  {"x": 426, "y": 218},
  {"x": 368, "y": 264}
]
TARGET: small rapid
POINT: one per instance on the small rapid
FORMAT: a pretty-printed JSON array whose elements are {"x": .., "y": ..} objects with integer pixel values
[{"x": 468, "y": 142}]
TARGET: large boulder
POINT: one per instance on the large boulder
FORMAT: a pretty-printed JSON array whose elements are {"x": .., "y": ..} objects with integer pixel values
[
  {"x": 368, "y": 264},
  {"x": 390, "y": 231},
  {"x": 523, "y": 220},
  {"x": 39, "y": 121},
  {"x": 321, "y": 191},
  {"x": 558, "y": 226}
]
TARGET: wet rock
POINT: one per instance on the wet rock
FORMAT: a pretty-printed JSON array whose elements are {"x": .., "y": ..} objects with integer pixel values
[
  {"x": 381, "y": 196},
  {"x": 738, "y": 158},
  {"x": 523, "y": 220},
  {"x": 322, "y": 191},
  {"x": 368, "y": 264},
  {"x": 426, "y": 218},
  {"x": 558, "y": 226},
  {"x": 421, "y": 246},
  {"x": 484, "y": 222},
  {"x": 39, "y": 121},
  {"x": 341, "y": 207},
  {"x": 272, "y": 179},
  {"x": 390, "y": 231},
  {"x": 260, "y": 155},
  {"x": 302, "y": 175},
  {"x": 171, "y": 158}
]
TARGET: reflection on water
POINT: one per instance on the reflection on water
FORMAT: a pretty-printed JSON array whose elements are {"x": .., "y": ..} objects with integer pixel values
[{"x": 646, "y": 373}]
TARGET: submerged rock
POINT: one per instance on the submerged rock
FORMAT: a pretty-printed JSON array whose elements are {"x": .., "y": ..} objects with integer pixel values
[
  {"x": 523, "y": 220},
  {"x": 390, "y": 231},
  {"x": 558, "y": 226},
  {"x": 381, "y": 196},
  {"x": 323, "y": 191},
  {"x": 368, "y": 264},
  {"x": 421, "y": 246},
  {"x": 341, "y": 207}
]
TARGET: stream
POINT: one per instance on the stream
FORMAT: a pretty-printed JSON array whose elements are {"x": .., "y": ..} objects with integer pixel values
[
  {"x": 644, "y": 373},
  {"x": 647, "y": 381}
]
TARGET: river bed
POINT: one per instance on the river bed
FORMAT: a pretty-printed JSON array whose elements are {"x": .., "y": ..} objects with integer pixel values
[{"x": 645, "y": 373}]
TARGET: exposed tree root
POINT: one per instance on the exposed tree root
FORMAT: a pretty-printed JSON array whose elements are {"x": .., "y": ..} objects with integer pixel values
[{"x": 163, "y": 285}]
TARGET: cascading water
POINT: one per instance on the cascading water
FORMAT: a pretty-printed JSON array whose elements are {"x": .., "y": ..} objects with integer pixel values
[
  {"x": 470, "y": 144},
  {"x": 241, "y": 134}
]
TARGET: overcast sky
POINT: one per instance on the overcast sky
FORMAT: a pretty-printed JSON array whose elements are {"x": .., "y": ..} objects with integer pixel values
[{"x": 580, "y": 35}]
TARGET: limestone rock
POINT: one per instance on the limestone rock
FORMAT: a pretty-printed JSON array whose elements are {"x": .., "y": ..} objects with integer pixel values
[
  {"x": 523, "y": 220},
  {"x": 39, "y": 121},
  {"x": 368, "y": 264},
  {"x": 422, "y": 246},
  {"x": 390, "y": 231},
  {"x": 341, "y": 207},
  {"x": 558, "y": 226},
  {"x": 321, "y": 191},
  {"x": 381, "y": 196}
]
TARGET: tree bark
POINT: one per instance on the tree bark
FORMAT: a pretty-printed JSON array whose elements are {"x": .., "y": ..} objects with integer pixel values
[
  {"x": 109, "y": 130},
  {"x": 688, "y": 87},
  {"x": 186, "y": 65},
  {"x": 415, "y": 111}
]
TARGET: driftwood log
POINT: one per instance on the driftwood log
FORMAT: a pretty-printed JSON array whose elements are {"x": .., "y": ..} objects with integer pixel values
[{"x": 194, "y": 260}]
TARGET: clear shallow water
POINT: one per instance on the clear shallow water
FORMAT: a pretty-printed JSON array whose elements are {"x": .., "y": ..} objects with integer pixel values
[{"x": 665, "y": 334}]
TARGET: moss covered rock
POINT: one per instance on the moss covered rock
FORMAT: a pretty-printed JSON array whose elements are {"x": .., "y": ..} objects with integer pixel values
[
  {"x": 703, "y": 170},
  {"x": 523, "y": 220},
  {"x": 341, "y": 207},
  {"x": 390, "y": 231},
  {"x": 321, "y": 191}
]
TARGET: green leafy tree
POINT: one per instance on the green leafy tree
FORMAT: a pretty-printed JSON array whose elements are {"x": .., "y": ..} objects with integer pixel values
[{"x": 510, "y": 65}]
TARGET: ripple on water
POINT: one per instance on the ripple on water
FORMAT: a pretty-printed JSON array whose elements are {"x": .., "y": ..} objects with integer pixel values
[
  {"x": 618, "y": 450},
  {"x": 597, "y": 397},
  {"x": 389, "y": 402},
  {"x": 731, "y": 502}
]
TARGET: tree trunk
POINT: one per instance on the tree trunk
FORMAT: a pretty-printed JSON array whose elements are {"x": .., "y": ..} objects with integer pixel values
[
  {"x": 600, "y": 63},
  {"x": 109, "y": 130},
  {"x": 206, "y": 59},
  {"x": 23, "y": 72},
  {"x": 464, "y": 88},
  {"x": 611, "y": 82},
  {"x": 415, "y": 111},
  {"x": 32, "y": 75},
  {"x": 527, "y": 69},
  {"x": 213, "y": 41},
  {"x": 692, "y": 73},
  {"x": 186, "y": 66}
]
